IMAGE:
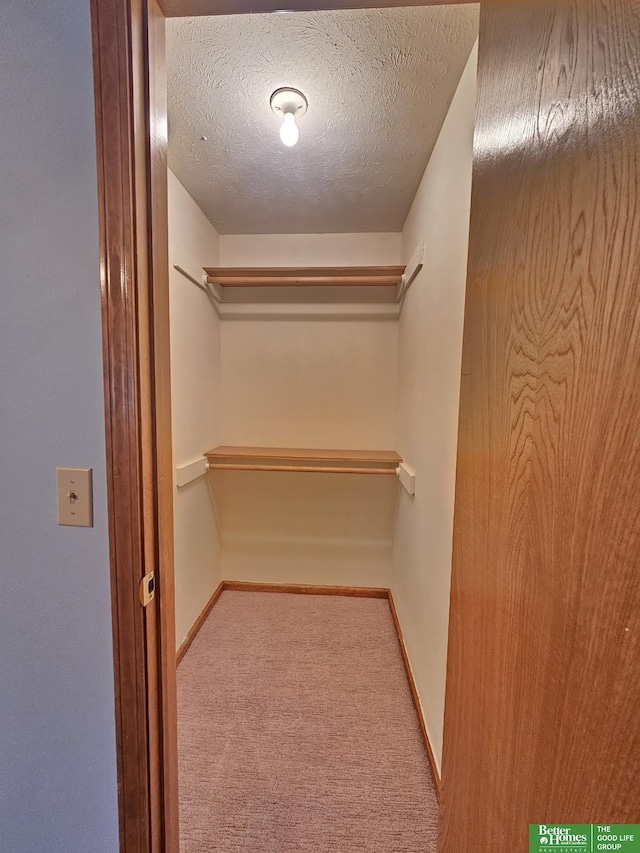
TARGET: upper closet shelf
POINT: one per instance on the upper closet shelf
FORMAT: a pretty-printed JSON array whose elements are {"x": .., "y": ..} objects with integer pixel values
[
  {"x": 311, "y": 285},
  {"x": 305, "y": 276},
  {"x": 304, "y": 460}
]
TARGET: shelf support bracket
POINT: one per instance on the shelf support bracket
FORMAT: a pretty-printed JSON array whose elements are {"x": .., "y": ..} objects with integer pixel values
[
  {"x": 407, "y": 477},
  {"x": 186, "y": 474},
  {"x": 210, "y": 289},
  {"x": 413, "y": 268}
]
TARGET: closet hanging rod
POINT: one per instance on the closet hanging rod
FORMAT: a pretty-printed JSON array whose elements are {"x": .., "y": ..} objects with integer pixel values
[
  {"x": 304, "y": 469},
  {"x": 386, "y": 276}
]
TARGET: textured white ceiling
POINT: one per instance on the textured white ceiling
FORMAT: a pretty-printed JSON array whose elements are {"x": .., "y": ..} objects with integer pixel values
[{"x": 379, "y": 83}]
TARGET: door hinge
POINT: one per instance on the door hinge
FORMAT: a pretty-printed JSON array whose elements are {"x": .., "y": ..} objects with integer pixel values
[{"x": 147, "y": 588}]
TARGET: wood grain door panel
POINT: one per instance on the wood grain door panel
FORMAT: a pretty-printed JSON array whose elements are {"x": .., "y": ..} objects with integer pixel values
[{"x": 542, "y": 719}]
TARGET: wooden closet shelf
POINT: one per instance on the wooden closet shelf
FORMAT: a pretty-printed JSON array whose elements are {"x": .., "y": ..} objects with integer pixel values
[
  {"x": 230, "y": 458},
  {"x": 304, "y": 276}
]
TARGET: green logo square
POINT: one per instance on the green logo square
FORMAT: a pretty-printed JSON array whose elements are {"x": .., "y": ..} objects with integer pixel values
[{"x": 616, "y": 837}]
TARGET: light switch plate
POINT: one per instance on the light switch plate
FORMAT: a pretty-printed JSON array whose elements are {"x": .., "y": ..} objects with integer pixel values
[{"x": 75, "y": 496}]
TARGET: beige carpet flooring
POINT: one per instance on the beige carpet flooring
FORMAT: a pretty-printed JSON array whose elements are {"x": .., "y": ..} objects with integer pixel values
[{"x": 297, "y": 731}]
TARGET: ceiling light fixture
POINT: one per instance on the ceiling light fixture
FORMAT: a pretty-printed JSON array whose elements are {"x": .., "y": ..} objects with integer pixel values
[{"x": 290, "y": 104}]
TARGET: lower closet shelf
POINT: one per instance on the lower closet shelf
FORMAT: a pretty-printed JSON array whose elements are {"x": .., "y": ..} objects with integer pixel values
[{"x": 229, "y": 458}]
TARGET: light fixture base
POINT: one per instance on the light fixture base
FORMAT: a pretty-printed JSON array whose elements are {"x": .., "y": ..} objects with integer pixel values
[{"x": 288, "y": 100}]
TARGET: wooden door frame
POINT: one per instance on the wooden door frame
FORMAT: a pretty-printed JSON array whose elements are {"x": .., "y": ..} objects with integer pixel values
[
  {"x": 130, "y": 97},
  {"x": 131, "y": 146}
]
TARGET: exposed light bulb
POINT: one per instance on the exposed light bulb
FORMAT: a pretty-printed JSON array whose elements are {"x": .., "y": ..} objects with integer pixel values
[
  {"x": 288, "y": 104},
  {"x": 289, "y": 132}
]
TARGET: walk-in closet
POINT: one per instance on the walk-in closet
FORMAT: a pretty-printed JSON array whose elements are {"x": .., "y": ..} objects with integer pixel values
[{"x": 319, "y": 198}]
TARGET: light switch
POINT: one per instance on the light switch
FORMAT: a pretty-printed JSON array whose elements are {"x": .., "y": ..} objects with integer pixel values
[{"x": 75, "y": 496}]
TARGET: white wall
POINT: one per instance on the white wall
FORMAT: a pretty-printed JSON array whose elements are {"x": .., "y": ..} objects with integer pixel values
[
  {"x": 430, "y": 352},
  {"x": 58, "y": 788},
  {"x": 306, "y": 528},
  {"x": 195, "y": 405},
  {"x": 272, "y": 250},
  {"x": 308, "y": 382}
]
